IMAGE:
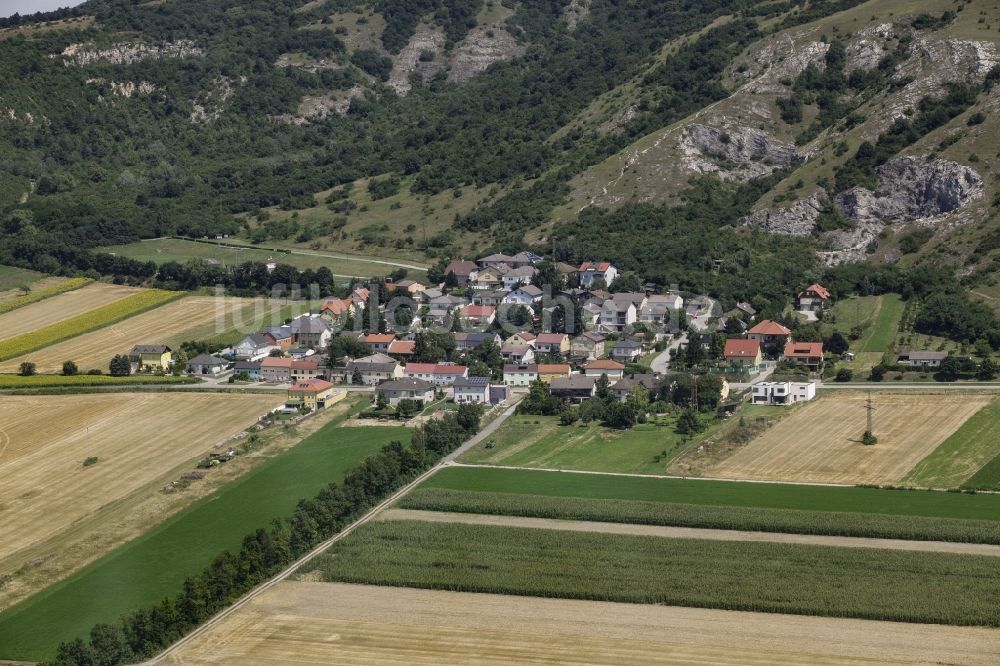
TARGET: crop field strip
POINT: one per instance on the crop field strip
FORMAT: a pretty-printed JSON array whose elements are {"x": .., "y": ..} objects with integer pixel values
[
  {"x": 154, "y": 565},
  {"x": 963, "y": 454},
  {"x": 787, "y": 521},
  {"x": 15, "y": 382},
  {"x": 299, "y": 623},
  {"x": 165, "y": 323},
  {"x": 60, "y": 307},
  {"x": 47, "y": 291},
  {"x": 669, "y": 532},
  {"x": 762, "y": 577},
  {"x": 92, "y": 320},
  {"x": 820, "y": 443},
  {"x": 137, "y": 438}
]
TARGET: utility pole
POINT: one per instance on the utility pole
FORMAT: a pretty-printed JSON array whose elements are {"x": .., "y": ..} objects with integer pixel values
[{"x": 869, "y": 437}]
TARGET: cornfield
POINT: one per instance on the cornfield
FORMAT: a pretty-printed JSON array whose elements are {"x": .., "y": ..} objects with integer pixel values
[
  {"x": 42, "y": 294},
  {"x": 790, "y": 521},
  {"x": 50, "y": 381},
  {"x": 86, "y": 322},
  {"x": 765, "y": 577}
]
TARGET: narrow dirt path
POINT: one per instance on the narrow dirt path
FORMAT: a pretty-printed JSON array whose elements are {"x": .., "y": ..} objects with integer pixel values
[{"x": 690, "y": 532}]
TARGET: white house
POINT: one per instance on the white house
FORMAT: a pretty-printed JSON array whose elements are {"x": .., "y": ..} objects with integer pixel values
[
  {"x": 406, "y": 388},
  {"x": 626, "y": 351},
  {"x": 617, "y": 315},
  {"x": 441, "y": 374},
  {"x": 474, "y": 390},
  {"x": 206, "y": 364},
  {"x": 519, "y": 374},
  {"x": 253, "y": 347},
  {"x": 520, "y": 275},
  {"x": 592, "y": 270},
  {"x": 524, "y": 295},
  {"x": 782, "y": 393}
]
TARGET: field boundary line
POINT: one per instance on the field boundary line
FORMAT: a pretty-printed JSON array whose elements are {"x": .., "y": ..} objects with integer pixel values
[
  {"x": 678, "y": 532},
  {"x": 307, "y": 253},
  {"x": 323, "y": 546}
]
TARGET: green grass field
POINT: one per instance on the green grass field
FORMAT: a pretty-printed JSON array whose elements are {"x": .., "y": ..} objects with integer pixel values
[
  {"x": 162, "y": 250},
  {"x": 14, "y": 278},
  {"x": 930, "y": 504},
  {"x": 987, "y": 478},
  {"x": 790, "y": 521},
  {"x": 963, "y": 454},
  {"x": 540, "y": 441},
  {"x": 764, "y": 577},
  {"x": 880, "y": 336},
  {"x": 154, "y": 565}
]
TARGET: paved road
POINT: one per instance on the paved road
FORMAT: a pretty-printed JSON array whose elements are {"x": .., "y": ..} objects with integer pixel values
[
  {"x": 691, "y": 532},
  {"x": 385, "y": 504},
  {"x": 659, "y": 364}
]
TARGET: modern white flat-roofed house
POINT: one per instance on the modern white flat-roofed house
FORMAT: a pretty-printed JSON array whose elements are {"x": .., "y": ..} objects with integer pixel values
[{"x": 782, "y": 393}]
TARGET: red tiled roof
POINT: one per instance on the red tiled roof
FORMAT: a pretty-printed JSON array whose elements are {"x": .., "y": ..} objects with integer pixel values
[
  {"x": 553, "y": 368},
  {"x": 817, "y": 289},
  {"x": 478, "y": 310},
  {"x": 593, "y": 265},
  {"x": 551, "y": 338},
  {"x": 768, "y": 327},
  {"x": 311, "y": 385},
  {"x": 435, "y": 368},
  {"x": 336, "y": 306},
  {"x": 604, "y": 364},
  {"x": 379, "y": 338},
  {"x": 524, "y": 335},
  {"x": 402, "y": 346},
  {"x": 276, "y": 362},
  {"x": 741, "y": 348},
  {"x": 804, "y": 350}
]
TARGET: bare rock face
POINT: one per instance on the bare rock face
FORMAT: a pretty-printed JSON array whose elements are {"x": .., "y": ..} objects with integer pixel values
[
  {"x": 126, "y": 53},
  {"x": 483, "y": 46},
  {"x": 426, "y": 39},
  {"x": 868, "y": 47},
  {"x": 736, "y": 153},
  {"x": 799, "y": 219}
]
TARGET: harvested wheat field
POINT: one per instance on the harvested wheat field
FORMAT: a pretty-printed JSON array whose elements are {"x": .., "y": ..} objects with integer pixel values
[
  {"x": 35, "y": 285},
  {"x": 170, "y": 323},
  {"x": 319, "y": 623},
  {"x": 61, "y": 306},
  {"x": 137, "y": 438},
  {"x": 821, "y": 441}
]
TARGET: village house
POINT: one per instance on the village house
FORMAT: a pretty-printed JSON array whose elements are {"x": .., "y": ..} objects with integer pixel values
[
  {"x": 305, "y": 367},
  {"x": 593, "y": 270},
  {"x": 281, "y": 337},
  {"x": 634, "y": 297},
  {"x": 312, "y": 394},
  {"x": 623, "y": 386},
  {"x": 526, "y": 295},
  {"x": 311, "y": 331},
  {"x": 250, "y": 368},
  {"x": 616, "y": 316},
  {"x": 549, "y": 371},
  {"x": 770, "y": 334},
  {"x": 379, "y": 342},
  {"x": 373, "y": 369},
  {"x": 206, "y": 364},
  {"x": 472, "y": 340},
  {"x": 743, "y": 356},
  {"x": 574, "y": 388},
  {"x": 555, "y": 344},
  {"x": 406, "y": 388},
  {"x": 402, "y": 349},
  {"x": 517, "y": 276},
  {"x": 301, "y": 352},
  {"x": 254, "y": 347},
  {"x": 441, "y": 374},
  {"x": 491, "y": 297},
  {"x": 517, "y": 353},
  {"x": 748, "y": 310},
  {"x": 406, "y": 287},
  {"x": 465, "y": 271},
  {"x": 613, "y": 369},
  {"x": 490, "y": 278},
  {"x": 655, "y": 314},
  {"x": 922, "y": 359},
  {"x": 588, "y": 344},
  {"x": 496, "y": 260},
  {"x": 519, "y": 374},
  {"x": 809, "y": 354},
  {"x": 338, "y": 309},
  {"x": 626, "y": 351},
  {"x": 525, "y": 258},
  {"x": 782, "y": 393},
  {"x": 475, "y": 390},
  {"x": 150, "y": 357},
  {"x": 479, "y": 316},
  {"x": 522, "y": 338},
  {"x": 672, "y": 300},
  {"x": 813, "y": 298},
  {"x": 276, "y": 369}
]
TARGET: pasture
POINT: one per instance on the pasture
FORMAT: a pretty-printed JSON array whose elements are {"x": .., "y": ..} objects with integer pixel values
[
  {"x": 143, "y": 571},
  {"x": 184, "y": 319},
  {"x": 60, "y": 307},
  {"x": 866, "y": 583},
  {"x": 302, "y": 623},
  {"x": 138, "y": 438},
  {"x": 963, "y": 454},
  {"x": 821, "y": 441}
]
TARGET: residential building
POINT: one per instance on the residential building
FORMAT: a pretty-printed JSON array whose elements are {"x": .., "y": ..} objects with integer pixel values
[
  {"x": 575, "y": 388},
  {"x": 623, "y": 386},
  {"x": 613, "y": 369},
  {"x": 593, "y": 270},
  {"x": 522, "y": 338},
  {"x": 516, "y": 276},
  {"x": 406, "y": 388},
  {"x": 499, "y": 393},
  {"x": 281, "y": 337},
  {"x": 626, "y": 351},
  {"x": 379, "y": 342},
  {"x": 301, "y": 352},
  {"x": 549, "y": 371},
  {"x": 254, "y": 347},
  {"x": 492, "y": 297},
  {"x": 782, "y": 393},
  {"x": 411, "y": 287},
  {"x": 306, "y": 367},
  {"x": 479, "y": 316},
  {"x": 555, "y": 344},
  {"x": 519, "y": 374},
  {"x": 525, "y": 258},
  {"x": 311, "y": 331},
  {"x": 588, "y": 344},
  {"x": 337, "y": 309},
  {"x": 922, "y": 359},
  {"x": 747, "y": 309},
  {"x": 495, "y": 260},
  {"x": 526, "y": 295},
  {"x": 672, "y": 299},
  {"x": 744, "y": 356},
  {"x": 251, "y": 368},
  {"x": 206, "y": 364},
  {"x": 465, "y": 271},
  {"x": 809, "y": 354},
  {"x": 655, "y": 314},
  {"x": 490, "y": 278},
  {"x": 771, "y": 334},
  {"x": 517, "y": 353},
  {"x": 813, "y": 298},
  {"x": 150, "y": 357},
  {"x": 373, "y": 369},
  {"x": 313, "y": 394},
  {"x": 617, "y": 315},
  {"x": 276, "y": 369},
  {"x": 441, "y": 374},
  {"x": 402, "y": 349},
  {"x": 635, "y": 298},
  {"x": 474, "y": 390},
  {"x": 471, "y": 340}
]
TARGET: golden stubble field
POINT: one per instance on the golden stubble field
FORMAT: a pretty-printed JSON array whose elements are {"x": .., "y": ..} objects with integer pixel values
[
  {"x": 299, "y": 622},
  {"x": 61, "y": 306},
  {"x": 187, "y": 318},
  {"x": 138, "y": 438},
  {"x": 820, "y": 442}
]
